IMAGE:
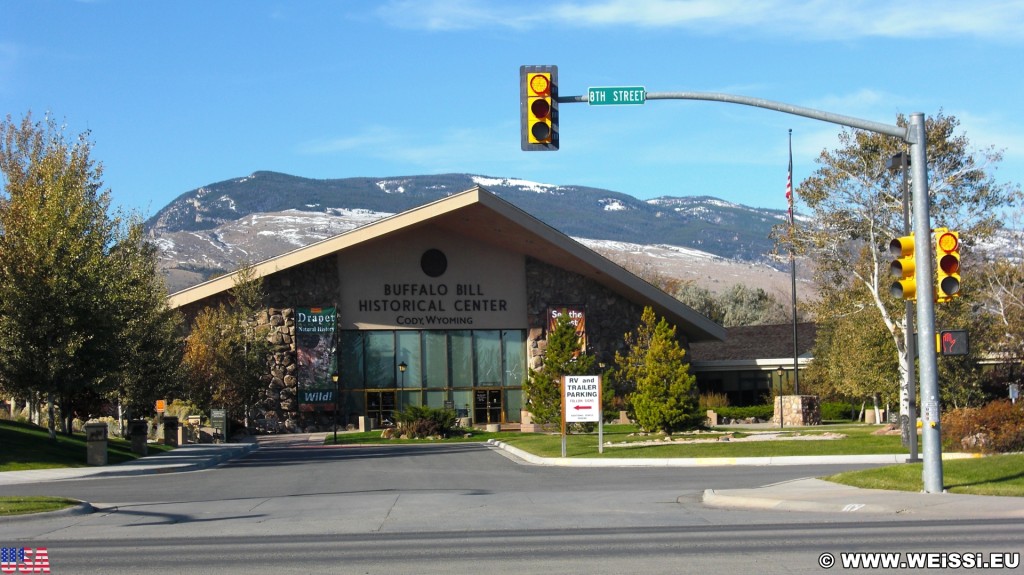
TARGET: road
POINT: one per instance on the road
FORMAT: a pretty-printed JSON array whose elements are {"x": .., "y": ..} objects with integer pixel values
[{"x": 462, "y": 508}]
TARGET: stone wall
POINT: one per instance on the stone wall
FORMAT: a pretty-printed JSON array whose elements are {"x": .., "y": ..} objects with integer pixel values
[
  {"x": 282, "y": 382},
  {"x": 797, "y": 410},
  {"x": 609, "y": 316}
]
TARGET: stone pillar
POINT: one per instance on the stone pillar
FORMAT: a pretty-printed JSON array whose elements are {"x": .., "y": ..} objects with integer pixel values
[
  {"x": 96, "y": 443},
  {"x": 138, "y": 430},
  {"x": 171, "y": 431},
  {"x": 797, "y": 410}
]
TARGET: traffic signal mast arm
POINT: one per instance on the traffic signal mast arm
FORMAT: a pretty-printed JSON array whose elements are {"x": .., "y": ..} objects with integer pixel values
[{"x": 914, "y": 134}]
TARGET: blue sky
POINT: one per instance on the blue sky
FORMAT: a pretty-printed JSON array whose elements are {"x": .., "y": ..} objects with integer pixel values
[{"x": 182, "y": 94}]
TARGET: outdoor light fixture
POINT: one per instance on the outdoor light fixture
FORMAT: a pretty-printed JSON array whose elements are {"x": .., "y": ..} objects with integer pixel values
[{"x": 337, "y": 393}]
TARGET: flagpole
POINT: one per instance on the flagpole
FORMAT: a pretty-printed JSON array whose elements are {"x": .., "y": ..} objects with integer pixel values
[{"x": 792, "y": 268}]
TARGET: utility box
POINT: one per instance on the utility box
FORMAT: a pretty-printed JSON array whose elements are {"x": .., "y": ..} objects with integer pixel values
[
  {"x": 171, "y": 431},
  {"x": 138, "y": 430},
  {"x": 96, "y": 443}
]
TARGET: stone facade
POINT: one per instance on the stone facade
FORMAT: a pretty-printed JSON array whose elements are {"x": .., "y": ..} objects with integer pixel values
[
  {"x": 797, "y": 410},
  {"x": 609, "y": 317}
]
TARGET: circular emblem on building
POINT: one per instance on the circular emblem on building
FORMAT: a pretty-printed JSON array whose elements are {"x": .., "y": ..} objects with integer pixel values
[{"x": 434, "y": 263}]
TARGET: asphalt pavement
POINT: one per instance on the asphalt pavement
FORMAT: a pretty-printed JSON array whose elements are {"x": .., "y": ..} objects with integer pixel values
[{"x": 807, "y": 494}]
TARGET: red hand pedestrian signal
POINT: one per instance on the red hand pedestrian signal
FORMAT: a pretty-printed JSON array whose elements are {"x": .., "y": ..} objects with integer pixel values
[{"x": 948, "y": 343}]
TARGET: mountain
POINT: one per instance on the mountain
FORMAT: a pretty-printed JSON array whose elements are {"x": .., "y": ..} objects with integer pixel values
[{"x": 210, "y": 230}]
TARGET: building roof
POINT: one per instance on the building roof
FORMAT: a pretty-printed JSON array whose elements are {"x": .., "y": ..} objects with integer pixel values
[
  {"x": 766, "y": 345},
  {"x": 482, "y": 216}
]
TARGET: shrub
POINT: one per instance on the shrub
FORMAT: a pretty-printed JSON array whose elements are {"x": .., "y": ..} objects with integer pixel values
[
  {"x": 834, "y": 410},
  {"x": 758, "y": 411},
  {"x": 997, "y": 427},
  {"x": 418, "y": 421},
  {"x": 713, "y": 400}
]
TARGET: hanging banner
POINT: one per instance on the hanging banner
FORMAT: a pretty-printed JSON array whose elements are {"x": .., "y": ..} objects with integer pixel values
[
  {"x": 314, "y": 348},
  {"x": 577, "y": 317}
]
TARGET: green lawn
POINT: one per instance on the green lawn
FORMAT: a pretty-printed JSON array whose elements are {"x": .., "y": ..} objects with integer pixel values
[
  {"x": 27, "y": 446},
  {"x": 859, "y": 440},
  {"x": 995, "y": 475},
  {"x": 14, "y": 505}
]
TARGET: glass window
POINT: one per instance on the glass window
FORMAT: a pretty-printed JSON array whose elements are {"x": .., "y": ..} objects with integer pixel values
[
  {"x": 513, "y": 405},
  {"x": 488, "y": 358},
  {"x": 463, "y": 400},
  {"x": 435, "y": 349},
  {"x": 409, "y": 352},
  {"x": 515, "y": 357},
  {"x": 409, "y": 398},
  {"x": 436, "y": 398},
  {"x": 380, "y": 359},
  {"x": 461, "y": 364},
  {"x": 351, "y": 358}
]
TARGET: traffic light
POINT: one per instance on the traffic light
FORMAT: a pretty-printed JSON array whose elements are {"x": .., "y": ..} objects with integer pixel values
[
  {"x": 947, "y": 265},
  {"x": 538, "y": 107},
  {"x": 903, "y": 267}
]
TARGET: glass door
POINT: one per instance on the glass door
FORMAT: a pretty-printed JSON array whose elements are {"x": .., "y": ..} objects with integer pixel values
[
  {"x": 380, "y": 405},
  {"x": 486, "y": 406}
]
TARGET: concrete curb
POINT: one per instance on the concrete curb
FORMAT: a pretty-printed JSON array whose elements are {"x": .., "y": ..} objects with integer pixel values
[
  {"x": 891, "y": 458},
  {"x": 818, "y": 495}
]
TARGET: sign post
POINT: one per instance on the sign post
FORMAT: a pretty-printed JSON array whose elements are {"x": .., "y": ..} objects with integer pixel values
[{"x": 581, "y": 403}]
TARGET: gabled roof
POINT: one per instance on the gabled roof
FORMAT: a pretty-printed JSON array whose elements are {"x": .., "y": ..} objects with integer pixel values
[
  {"x": 482, "y": 216},
  {"x": 756, "y": 344}
]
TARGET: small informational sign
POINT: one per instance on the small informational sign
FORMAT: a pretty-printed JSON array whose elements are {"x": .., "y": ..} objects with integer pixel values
[
  {"x": 581, "y": 398},
  {"x": 581, "y": 403},
  {"x": 219, "y": 422},
  {"x": 161, "y": 405}
]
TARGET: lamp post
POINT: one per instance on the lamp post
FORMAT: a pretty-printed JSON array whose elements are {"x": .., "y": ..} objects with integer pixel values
[
  {"x": 401, "y": 369},
  {"x": 782, "y": 405},
  {"x": 337, "y": 393}
]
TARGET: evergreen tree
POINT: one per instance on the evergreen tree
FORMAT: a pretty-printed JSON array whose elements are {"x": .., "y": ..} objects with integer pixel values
[
  {"x": 664, "y": 396},
  {"x": 561, "y": 357}
]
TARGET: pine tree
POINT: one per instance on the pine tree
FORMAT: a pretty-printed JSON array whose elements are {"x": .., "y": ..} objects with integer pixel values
[
  {"x": 665, "y": 396},
  {"x": 562, "y": 357}
]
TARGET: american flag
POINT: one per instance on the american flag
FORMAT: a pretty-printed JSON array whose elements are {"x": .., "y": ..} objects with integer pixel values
[
  {"x": 789, "y": 179},
  {"x": 24, "y": 560}
]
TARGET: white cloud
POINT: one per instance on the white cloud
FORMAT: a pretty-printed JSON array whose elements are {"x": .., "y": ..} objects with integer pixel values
[{"x": 813, "y": 19}]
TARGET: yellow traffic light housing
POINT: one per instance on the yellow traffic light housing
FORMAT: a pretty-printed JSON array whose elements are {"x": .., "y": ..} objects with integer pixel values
[
  {"x": 947, "y": 265},
  {"x": 538, "y": 107},
  {"x": 903, "y": 267}
]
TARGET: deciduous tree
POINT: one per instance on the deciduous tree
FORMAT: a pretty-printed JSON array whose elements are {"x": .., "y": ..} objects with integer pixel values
[
  {"x": 855, "y": 209},
  {"x": 57, "y": 309}
]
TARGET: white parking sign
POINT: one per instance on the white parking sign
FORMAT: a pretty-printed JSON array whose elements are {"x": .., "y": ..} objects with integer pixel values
[{"x": 581, "y": 398}]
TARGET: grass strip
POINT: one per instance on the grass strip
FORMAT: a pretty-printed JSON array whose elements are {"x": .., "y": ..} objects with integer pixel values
[
  {"x": 995, "y": 475},
  {"x": 17, "y": 505}
]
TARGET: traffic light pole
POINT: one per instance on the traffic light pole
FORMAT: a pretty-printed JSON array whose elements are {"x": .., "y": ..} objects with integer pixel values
[
  {"x": 914, "y": 134},
  {"x": 928, "y": 362}
]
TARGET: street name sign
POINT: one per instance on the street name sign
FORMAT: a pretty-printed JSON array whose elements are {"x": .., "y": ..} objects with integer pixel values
[{"x": 616, "y": 95}]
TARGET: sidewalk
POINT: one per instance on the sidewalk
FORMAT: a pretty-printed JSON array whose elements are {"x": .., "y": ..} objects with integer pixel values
[
  {"x": 825, "y": 496},
  {"x": 189, "y": 457},
  {"x": 812, "y": 494}
]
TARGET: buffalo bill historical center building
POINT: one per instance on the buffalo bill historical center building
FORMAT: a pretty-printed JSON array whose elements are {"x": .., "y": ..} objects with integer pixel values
[{"x": 447, "y": 304}]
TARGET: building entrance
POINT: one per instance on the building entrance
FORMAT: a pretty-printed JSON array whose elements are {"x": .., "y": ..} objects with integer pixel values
[
  {"x": 380, "y": 405},
  {"x": 487, "y": 406}
]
